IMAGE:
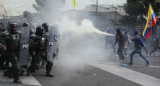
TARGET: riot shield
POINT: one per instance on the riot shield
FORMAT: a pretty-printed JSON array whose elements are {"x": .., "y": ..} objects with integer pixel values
[
  {"x": 24, "y": 46},
  {"x": 56, "y": 38},
  {"x": 50, "y": 45}
]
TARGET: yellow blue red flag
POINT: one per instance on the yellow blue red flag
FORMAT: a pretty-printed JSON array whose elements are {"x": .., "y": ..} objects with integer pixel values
[{"x": 151, "y": 21}]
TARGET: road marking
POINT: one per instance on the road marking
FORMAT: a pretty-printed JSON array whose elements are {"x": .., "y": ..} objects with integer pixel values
[
  {"x": 137, "y": 77},
  {"x": 109, "y": 63},
  {"x": 29, "y": 81}
]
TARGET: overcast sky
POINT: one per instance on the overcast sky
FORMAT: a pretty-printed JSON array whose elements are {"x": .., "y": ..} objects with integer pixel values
[{"x": 16, "y": 7}]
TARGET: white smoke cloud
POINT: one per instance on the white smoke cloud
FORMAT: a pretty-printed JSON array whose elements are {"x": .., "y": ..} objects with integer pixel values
[{"x": 80, "y": 43}]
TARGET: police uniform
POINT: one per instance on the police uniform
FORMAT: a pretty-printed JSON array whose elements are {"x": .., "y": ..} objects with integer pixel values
[{"x": 12, "y": 41}]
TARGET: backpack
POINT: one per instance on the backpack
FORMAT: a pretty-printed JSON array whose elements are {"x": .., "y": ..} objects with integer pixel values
[{"x": 141, "y": 42}]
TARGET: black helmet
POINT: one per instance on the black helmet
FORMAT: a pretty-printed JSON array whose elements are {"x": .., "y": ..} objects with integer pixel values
[
  {"x": 13, "y": 24},
  {"x": 39, "y": 30},
  {"x": 25, "y": 25},
  {"x": 13, "y": 27},
  {"x": 45, "y": 26}
]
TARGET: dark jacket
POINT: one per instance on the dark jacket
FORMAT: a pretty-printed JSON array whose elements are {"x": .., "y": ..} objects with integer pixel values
[{"x": 135, "y": 40}]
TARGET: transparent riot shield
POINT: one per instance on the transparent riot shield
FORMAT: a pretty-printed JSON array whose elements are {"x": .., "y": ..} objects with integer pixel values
[
  {"x": 56, "y": 38},
  {"x": 24, "y": 46},
  {"x": 50, "y": 45}
]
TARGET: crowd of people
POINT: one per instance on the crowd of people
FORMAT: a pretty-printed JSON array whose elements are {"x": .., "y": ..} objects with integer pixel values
[
  {"x": 28, "y": 49},
  {"x": 18, "y": 46},
  {"x": 139, "y": 41}
]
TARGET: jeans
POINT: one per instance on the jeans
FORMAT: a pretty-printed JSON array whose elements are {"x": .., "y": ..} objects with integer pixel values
[
  {"x": 125, "y": 51},
  {"x": 145, "y": 49},
  {"x": 137, "y": 51}
]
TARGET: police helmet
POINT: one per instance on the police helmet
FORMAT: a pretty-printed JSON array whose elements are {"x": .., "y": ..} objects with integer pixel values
[
  {"x": 39, "y": 30},
  {"x": 45, "y": 26},
  {"x": 25, "y": 25}
]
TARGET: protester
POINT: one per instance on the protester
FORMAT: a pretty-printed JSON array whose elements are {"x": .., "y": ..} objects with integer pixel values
[
  {"x": 126, "y": 43},
  {"x": 139, "y": 44},
  {"x": 120, "y": 38}
]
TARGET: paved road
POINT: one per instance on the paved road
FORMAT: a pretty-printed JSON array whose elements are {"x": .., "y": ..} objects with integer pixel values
[{"x": 100, "y": 73}]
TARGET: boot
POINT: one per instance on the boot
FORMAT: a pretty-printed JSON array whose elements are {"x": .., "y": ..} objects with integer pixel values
[
  {"x": 28, "y": 72},
  {"x": 17, "y": 81},
  {"x": 49, "y": 75},
  {"x": 48, "y": 69}
]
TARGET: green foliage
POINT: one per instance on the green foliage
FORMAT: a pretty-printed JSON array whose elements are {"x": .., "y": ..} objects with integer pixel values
[{"x": 136, "y": 8}]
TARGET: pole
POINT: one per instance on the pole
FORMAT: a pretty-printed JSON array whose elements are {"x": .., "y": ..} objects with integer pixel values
[
  {"x": 97, "y": 8},
  {"x": 141, "y": 23}
]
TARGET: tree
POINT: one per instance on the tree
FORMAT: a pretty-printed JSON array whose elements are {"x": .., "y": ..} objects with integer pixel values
[{"x": 135, "y": 10}]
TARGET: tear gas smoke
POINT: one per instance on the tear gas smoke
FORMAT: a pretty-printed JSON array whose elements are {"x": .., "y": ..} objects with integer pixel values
[
  {"x": 85, "y": 27},
  {"x": 79, "y": 43}
]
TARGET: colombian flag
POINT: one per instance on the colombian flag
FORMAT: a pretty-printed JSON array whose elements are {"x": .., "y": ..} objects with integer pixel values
[{"x": 151, "y": 21}]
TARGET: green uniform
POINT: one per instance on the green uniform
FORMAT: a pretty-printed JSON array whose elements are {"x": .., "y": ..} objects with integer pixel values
[
  {"x": 3, "y": 58},
  {"x": 39, "y": 44},
  {"x": 37, "y": 50},
  {"x": 12, "y": 42}
]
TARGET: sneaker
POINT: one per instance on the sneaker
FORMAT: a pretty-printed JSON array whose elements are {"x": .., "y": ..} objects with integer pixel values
[
  {"x": 130, "y": 64},
  {"x": 147, "y": 63}
]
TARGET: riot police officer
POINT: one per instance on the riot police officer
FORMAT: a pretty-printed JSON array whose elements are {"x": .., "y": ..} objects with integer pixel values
[
  {"x": 34, "y": 48},
  {"x": 40, "y": 44},
  {"x": 46, "y": 34},
  {"x": 4, "y": 64},
  {"x": 12, "y": 41}
]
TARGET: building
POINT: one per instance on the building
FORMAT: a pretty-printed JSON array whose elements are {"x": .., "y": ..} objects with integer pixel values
[{"x": 103, "y": 8}]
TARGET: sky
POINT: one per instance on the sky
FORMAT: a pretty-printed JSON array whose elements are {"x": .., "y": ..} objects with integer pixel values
[{"x": 16, "y": 7}]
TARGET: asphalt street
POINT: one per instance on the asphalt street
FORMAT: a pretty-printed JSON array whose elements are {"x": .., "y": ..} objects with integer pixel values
[{"x": 108, "y": 72}]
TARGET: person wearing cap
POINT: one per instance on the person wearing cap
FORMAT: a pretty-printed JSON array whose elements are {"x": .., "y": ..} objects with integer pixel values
[{"x": 138, "y": 48}]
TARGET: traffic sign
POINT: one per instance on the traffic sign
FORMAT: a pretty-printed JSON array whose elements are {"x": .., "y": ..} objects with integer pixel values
[{"x": 74, "y": 3}]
